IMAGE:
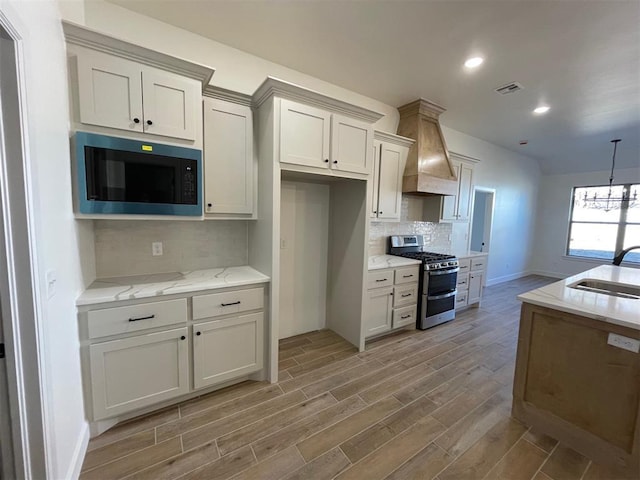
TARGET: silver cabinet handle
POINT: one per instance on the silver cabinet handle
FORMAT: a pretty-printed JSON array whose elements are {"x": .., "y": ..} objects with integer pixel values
[
  {"x": 229, "y": 304},
  {"x": 142, "y": 318},
  {"x": 444, "y": 272}
]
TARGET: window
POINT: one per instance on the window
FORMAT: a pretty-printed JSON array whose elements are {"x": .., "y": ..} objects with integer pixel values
[{"x": 602, "y": 224}]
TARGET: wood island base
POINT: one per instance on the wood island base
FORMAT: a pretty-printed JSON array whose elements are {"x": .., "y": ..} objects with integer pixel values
[{"x": 572, "y": 385}]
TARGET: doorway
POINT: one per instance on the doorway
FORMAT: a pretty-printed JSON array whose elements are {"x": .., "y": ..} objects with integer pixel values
[
  {"x": 22, "y": 425},
  {"x": 482, "y": 219}
]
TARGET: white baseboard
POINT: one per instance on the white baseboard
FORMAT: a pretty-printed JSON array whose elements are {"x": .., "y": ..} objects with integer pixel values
[
  {"x": 506, "y": 278},
  {"x": 78, "y": 455},
  {"x": 548, "y": 274}
]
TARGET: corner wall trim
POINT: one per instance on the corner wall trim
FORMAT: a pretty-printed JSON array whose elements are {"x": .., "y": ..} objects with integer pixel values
[{"x": 78, "y": 454}]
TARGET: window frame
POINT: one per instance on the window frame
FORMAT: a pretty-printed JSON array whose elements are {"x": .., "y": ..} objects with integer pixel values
[{"x": 622, "y": 223}]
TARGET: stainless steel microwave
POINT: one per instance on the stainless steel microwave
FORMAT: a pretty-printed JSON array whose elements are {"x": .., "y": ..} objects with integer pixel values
[{"x": 124, "y": 176}]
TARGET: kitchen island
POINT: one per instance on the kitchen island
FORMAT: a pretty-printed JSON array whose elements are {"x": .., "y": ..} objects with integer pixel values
[{"x": 577, "y": 375}]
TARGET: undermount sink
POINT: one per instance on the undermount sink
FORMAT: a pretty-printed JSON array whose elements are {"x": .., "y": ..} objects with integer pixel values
[{"x": 607, "y": 288}]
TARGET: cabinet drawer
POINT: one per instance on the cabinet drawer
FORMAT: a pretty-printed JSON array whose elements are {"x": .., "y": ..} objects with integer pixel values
[
  {"x": 407, "y": 275},
  {"x": 404, "y": 316},
  {"x": 463, "y": 281},
  {"x": 405, "y": 295},
  {"x": 380, "y": 278},
  {"x": 461, "y": 299},
  {"x": 478, "y": 263},
  {"x": 216, "y": 304},
  {"x": 133, "y": 318},
  {"x": 465, "y": 265}
]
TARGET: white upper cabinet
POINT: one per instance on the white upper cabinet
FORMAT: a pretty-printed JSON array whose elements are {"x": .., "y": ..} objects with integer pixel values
[
  {"x": 350, "y": 145},
  {"x": 110, "y": 92},
  {"x": 453, "y": 208},
  {"x": 118, "y": 93},
  {"x": 313, "y": 137},
  {"x": 390, "y": 157},
  {"x": 170, "y": 104},
  {"x": 305, "y": 133},
  {"x": 229, "y": 164}
]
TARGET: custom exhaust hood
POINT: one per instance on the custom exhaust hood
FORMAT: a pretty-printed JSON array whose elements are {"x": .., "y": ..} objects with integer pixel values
[{"x": 428, "y": 170}]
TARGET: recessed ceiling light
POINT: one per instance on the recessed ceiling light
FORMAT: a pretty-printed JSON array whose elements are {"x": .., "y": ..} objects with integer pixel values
[
  {"x": 474, "y": 62},
  {"x": 541, "y": 110}
]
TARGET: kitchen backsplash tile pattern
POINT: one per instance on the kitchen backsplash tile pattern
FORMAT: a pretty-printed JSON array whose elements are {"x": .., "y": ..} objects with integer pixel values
[
  {"x": 438, "y": 235},
  {"x": 123, "y": 248}
]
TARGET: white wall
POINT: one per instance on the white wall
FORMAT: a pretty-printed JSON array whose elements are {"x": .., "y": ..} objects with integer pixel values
[
  {"x": 59, "y": 237},
  {"x": 515, "y": 178},
  {"x": 552, "y": 226},
  {"x": 235, "y": 70},
  {"x": 304, "y": 229}
]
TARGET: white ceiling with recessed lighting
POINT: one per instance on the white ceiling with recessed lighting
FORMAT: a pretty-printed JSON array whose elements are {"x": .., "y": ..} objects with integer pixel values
[{"x": 580, "y": 58}]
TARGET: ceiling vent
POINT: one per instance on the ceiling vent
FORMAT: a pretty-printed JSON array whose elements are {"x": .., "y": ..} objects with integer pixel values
[{"x": 509, "y": 88}]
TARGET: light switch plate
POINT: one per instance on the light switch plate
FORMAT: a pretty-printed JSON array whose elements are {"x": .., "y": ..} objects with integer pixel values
[
  {"x": 625, "y": 343},
  {"x": 51, "y": 277},
  {"x": 156, "y": 249}
]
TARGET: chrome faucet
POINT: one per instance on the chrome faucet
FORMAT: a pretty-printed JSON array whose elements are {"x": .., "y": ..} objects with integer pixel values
[{"x": 617, "y": 260}]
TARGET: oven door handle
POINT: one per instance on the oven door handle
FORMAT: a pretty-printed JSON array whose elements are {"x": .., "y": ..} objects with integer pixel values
[
  {"x": 444, "y": 272},
  {"x": 440, "y": 297}
]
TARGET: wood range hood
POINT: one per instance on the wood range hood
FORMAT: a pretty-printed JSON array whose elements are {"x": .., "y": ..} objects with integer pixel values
[{"x": 428, "y": 170}]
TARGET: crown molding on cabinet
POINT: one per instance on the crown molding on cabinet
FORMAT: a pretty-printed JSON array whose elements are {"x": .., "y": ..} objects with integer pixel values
[
  {"x": 276, "y": 87},
  {"x": 466, "y": 158},
  {"x": 396, "y": 139},
  {"x": 85, "y": 37},
  {"x": 228, "y": 95}
]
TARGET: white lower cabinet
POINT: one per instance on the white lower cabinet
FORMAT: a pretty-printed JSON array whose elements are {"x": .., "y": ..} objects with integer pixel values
[
  {"x": 138, "y": 371},
  {"x": 225, "y": 349},
  {"x": 392, "y": 299},
  {"x": 379, "y": 310},
  {"x": 471, "y": 280},
  {"x": 475, "y": 287},
  {"x": 143, "y": 354}
]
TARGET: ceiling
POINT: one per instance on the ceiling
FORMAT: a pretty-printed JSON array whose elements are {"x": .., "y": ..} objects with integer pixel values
[{"x": 582, "y": 58}]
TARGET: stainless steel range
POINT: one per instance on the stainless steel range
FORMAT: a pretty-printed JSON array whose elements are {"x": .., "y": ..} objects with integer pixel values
[{"x": 437, "y": 299}]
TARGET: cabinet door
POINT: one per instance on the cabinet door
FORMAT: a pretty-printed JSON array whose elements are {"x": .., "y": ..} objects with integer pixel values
[
  {"x": 351, "y": 145},
  {"x": 228, "y": 157},
  {"x": 465, "y": 179},
  {"x": 378, "y": 311},
  {"x": 171, "y": 104},
  {"x": 109, "y": 92},
  {"x": 226, "y": 349},
  {"x": 304, "y": 135},
  {"x": 391, "y": 172},
  {"x": 138, "y": 371},
  {"x": 375, "y": 183},
  {"x": 475, "y": 287},
  {"x": 449, "y": 208}
]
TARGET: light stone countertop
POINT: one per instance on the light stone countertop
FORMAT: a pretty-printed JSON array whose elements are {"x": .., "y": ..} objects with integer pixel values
[
  {"x": 599, "y": 306},
  {"x": 459, "y": 253},
  {"x": 378, "y": 262},
  {"x": 107, "y": 290}
]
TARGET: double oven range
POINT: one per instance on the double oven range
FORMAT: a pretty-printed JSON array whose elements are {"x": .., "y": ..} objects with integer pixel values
[{"x": 437, "y": 288}]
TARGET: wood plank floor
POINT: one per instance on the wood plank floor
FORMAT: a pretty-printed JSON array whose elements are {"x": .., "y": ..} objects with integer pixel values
[{"x": 414, "y": 405}]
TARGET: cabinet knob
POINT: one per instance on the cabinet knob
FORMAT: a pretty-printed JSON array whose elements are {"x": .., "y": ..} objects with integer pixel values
[
  {"x": 209, "y": 205},
  {"x": 380, "y": 213},
  {"x": 183, "y": 337},
  {"x": 149, "y": 122},
  {"x": 375, "y": 212},
  {"x": 326, "y": 160},
  {"x": 136, "y": 120},
  {"x": 198, "y": 333},
  {"x": 335, "y": 161}
]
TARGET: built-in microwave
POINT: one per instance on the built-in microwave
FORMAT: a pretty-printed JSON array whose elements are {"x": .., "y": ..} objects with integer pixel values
[{"x": 125, "y": 176}]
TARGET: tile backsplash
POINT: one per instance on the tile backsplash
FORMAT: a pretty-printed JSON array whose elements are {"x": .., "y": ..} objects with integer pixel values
[
  {"x": 437, "y": 235},
  {"x": 123, "y": 248}
]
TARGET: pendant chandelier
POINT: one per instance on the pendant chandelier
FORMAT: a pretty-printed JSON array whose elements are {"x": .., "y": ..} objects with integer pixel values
[{"x": 610, "y": 201}]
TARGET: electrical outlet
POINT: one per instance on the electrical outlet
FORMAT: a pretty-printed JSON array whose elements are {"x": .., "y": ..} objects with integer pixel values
[
  {"x": 283, "y": 244},
  {"x": 156, "y": 249},
  {"x": 625, "y": 343}
]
